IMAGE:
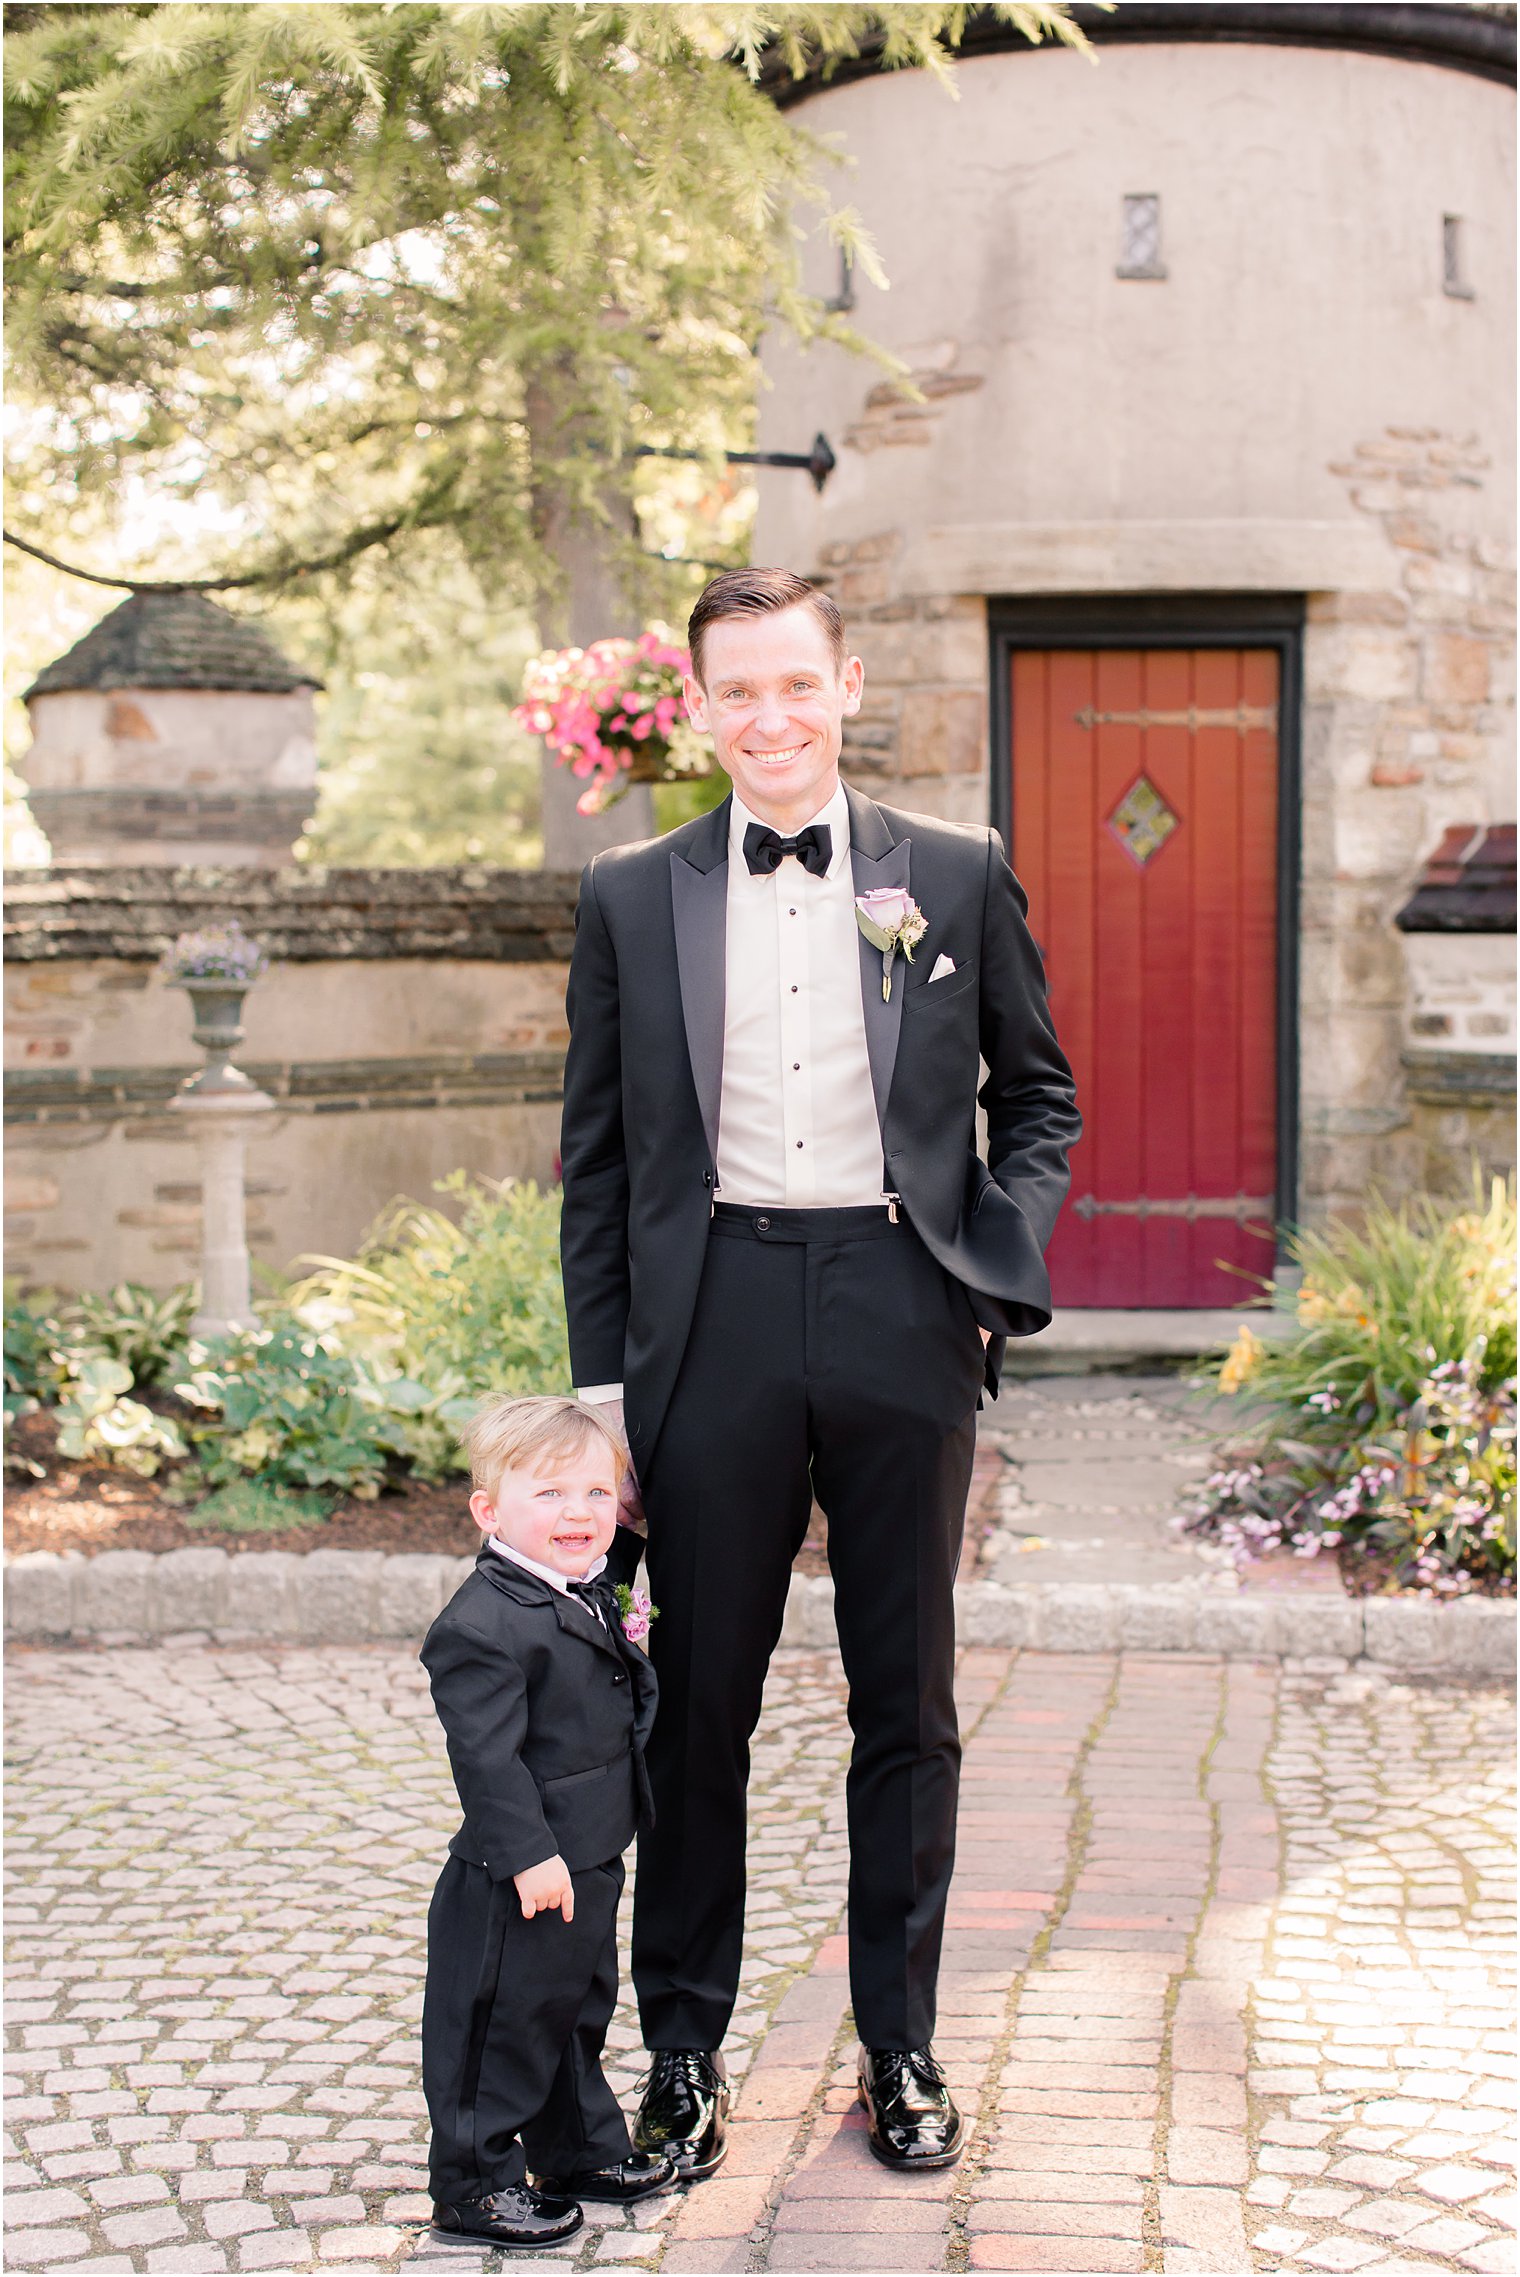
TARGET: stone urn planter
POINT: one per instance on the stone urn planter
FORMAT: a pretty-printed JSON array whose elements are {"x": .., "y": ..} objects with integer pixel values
[
  {"x": 217, "y": 1005},
  {"x": 223, "y": 1108}
]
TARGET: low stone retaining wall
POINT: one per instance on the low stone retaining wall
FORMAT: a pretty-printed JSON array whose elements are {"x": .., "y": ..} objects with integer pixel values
[
  {"x": 311, "y": 1597},
  {"x": 353, "y": 1596},
  {"x": 1473, "y": 1638}
]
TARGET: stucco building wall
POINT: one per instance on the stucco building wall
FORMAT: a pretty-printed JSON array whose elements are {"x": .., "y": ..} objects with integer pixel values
[{"x": 1298, "y": 406}]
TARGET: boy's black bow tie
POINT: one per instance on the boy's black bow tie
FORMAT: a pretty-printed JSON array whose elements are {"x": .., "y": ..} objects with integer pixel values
[
  {"x": 766, "y": 850},
  {"x": 596, "y": 1595}
]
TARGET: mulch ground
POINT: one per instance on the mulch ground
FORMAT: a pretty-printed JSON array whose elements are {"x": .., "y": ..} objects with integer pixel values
[{"x": 90, "y": 1507}]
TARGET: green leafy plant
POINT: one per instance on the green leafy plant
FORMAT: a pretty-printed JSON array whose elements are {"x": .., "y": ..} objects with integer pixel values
[
  {"x": 439, "y": 1311},
  {"x": 1384, "y": 1428},
  {"x": 249, "y": 1506},
  {"x": 281, "y": 1404},
  {"x": 98, "y": 1423},
  {"x": 148, "y": 1330},
  {"x": 81, "y": 1356},
  {"x": 35, "y": 1369}
]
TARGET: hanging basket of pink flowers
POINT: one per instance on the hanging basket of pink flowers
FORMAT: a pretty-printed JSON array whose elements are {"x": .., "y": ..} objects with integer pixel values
[{"x": 613, "y": 713}]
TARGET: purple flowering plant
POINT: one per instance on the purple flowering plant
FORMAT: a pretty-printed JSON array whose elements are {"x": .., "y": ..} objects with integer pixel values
[
  {"x": 1383, "y": 1427},
  {"x": 220, "y": 952}
]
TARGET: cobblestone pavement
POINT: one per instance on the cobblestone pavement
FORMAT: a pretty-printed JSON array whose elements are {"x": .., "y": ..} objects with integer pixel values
[{"x": 1226, "y": 1977}]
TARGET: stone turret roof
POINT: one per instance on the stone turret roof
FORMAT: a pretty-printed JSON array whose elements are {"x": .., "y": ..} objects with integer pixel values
[{"x": 173, "y": 640}]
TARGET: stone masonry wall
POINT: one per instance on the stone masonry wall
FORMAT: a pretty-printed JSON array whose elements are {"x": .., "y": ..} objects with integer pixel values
[
  {"x": 1408, "y": 727},
  {"x": 430, "y": 1036},
  {"x": 920, "y": 737},
  {"x": 387, "y": 1076}
]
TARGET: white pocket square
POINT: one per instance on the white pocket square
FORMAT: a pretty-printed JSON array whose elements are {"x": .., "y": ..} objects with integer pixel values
[{"x": 942, "y": 966}]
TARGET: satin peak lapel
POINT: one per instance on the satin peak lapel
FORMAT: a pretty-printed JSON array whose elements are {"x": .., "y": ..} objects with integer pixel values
[
  {"x": 699, "y": 905},
  {"x": 579, "y": 1621},
  {"x": 876, "y": 860}
]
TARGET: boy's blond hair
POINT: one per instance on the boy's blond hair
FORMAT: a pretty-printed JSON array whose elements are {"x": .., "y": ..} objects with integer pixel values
[{"x": 519, "y": 1434}]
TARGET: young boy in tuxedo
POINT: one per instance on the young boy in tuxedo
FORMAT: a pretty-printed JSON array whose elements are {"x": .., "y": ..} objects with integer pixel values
[{"x": 546, "y": 1707}]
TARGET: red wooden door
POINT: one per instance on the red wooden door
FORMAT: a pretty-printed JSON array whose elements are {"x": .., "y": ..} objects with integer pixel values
[{"x": 1145, "y": 830}]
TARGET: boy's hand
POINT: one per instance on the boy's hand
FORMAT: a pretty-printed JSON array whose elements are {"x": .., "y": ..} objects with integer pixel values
[{"x": 542, "y": 1888}]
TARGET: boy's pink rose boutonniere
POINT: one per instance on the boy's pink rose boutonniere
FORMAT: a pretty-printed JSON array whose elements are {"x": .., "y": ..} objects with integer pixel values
[
  {"x": 890, "y": 919},
  {"x": 636, "y": 1610}
]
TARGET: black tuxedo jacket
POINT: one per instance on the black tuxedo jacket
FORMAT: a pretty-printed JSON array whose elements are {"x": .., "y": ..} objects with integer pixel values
[
  {"x": 546, "y": 1713},
  {"x": 644, "y": 1073}
]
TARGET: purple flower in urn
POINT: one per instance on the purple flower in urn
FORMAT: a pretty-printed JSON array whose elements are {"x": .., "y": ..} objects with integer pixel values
[{"x": 220, "y": 952}]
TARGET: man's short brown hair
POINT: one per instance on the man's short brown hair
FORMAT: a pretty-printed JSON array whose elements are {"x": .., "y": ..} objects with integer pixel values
[
  {"x": 760, "y": 593},
  {"x": 520, "y": 1434}
]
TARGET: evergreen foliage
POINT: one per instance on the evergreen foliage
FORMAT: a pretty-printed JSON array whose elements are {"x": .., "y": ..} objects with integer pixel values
[
  {"x": 360, "y": 271},
  {"x": 418, "y": 759}
]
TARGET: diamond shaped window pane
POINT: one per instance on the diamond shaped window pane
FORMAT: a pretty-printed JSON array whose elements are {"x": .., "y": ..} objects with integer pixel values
[{"x": 1142, "y": 821}]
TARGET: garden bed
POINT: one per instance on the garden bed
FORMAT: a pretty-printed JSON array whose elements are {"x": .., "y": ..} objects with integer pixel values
[
  {"x": 90, "y": 1507},
  {"x": 1375, "y": 1440}
]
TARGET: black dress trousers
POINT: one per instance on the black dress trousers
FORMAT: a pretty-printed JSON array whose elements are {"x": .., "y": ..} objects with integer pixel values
[
  {"x": 829, "y": 1355},
  {"x": 513, "y": 2020}
]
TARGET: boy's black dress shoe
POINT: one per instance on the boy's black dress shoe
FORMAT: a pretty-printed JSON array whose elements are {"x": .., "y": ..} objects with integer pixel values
[
  {"x": 519, "y": 2216},
  {"x": 639, "y": 2175},
  {"x": 684, "y": 2114},
  {"x": 913, "y": 2120}
]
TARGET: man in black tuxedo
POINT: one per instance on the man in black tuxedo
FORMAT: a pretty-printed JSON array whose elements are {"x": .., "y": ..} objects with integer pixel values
[{"x": 785, "y": 1258}]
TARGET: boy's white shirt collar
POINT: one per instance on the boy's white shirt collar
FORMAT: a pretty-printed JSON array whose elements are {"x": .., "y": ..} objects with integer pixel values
[
  {"x": 836, "y": 814},
  {"x": 559, "y": 1581}
]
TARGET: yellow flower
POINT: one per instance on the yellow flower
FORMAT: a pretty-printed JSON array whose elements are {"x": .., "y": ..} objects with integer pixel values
[
  {"x": 1242, "y": 1359},
  {"x": 1316, "y": 1303}
]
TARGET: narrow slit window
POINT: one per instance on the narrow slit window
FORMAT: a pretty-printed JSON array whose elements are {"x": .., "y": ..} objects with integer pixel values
[
  {"x": 1140, "y": 236},
  {"x": 844, "y": 299},
  {"x": 1453, "y": 259}
]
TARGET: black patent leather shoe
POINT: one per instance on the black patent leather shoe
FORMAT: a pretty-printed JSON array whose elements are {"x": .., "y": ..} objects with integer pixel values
[
  {"x": 519, "y": 2216},
  {"x": 684, "y": 2113},
  {"x": 639, "y": 2175},
  {"x": 913, "y": 2119}
]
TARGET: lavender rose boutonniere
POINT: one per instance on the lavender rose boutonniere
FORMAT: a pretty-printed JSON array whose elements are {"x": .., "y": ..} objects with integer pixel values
[
  {"x": 636, "y": 1610},
  {"x": 891, "y": 920}
]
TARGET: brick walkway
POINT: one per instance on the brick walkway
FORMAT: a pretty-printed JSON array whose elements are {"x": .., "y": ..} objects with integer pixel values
[{"x": 1225, "y": 1985}]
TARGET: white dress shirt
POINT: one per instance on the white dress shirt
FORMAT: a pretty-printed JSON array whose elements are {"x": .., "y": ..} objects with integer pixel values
[
  {"x": 797, "y": 1122},
  {"x": 559, "y": 1581}
]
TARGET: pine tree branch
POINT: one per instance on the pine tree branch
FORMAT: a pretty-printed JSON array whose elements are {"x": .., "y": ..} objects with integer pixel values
[{"x": 358, "y": 541}]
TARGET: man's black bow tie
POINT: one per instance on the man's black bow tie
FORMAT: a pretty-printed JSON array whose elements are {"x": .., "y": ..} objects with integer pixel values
[{"x": 766, "y": 850}]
